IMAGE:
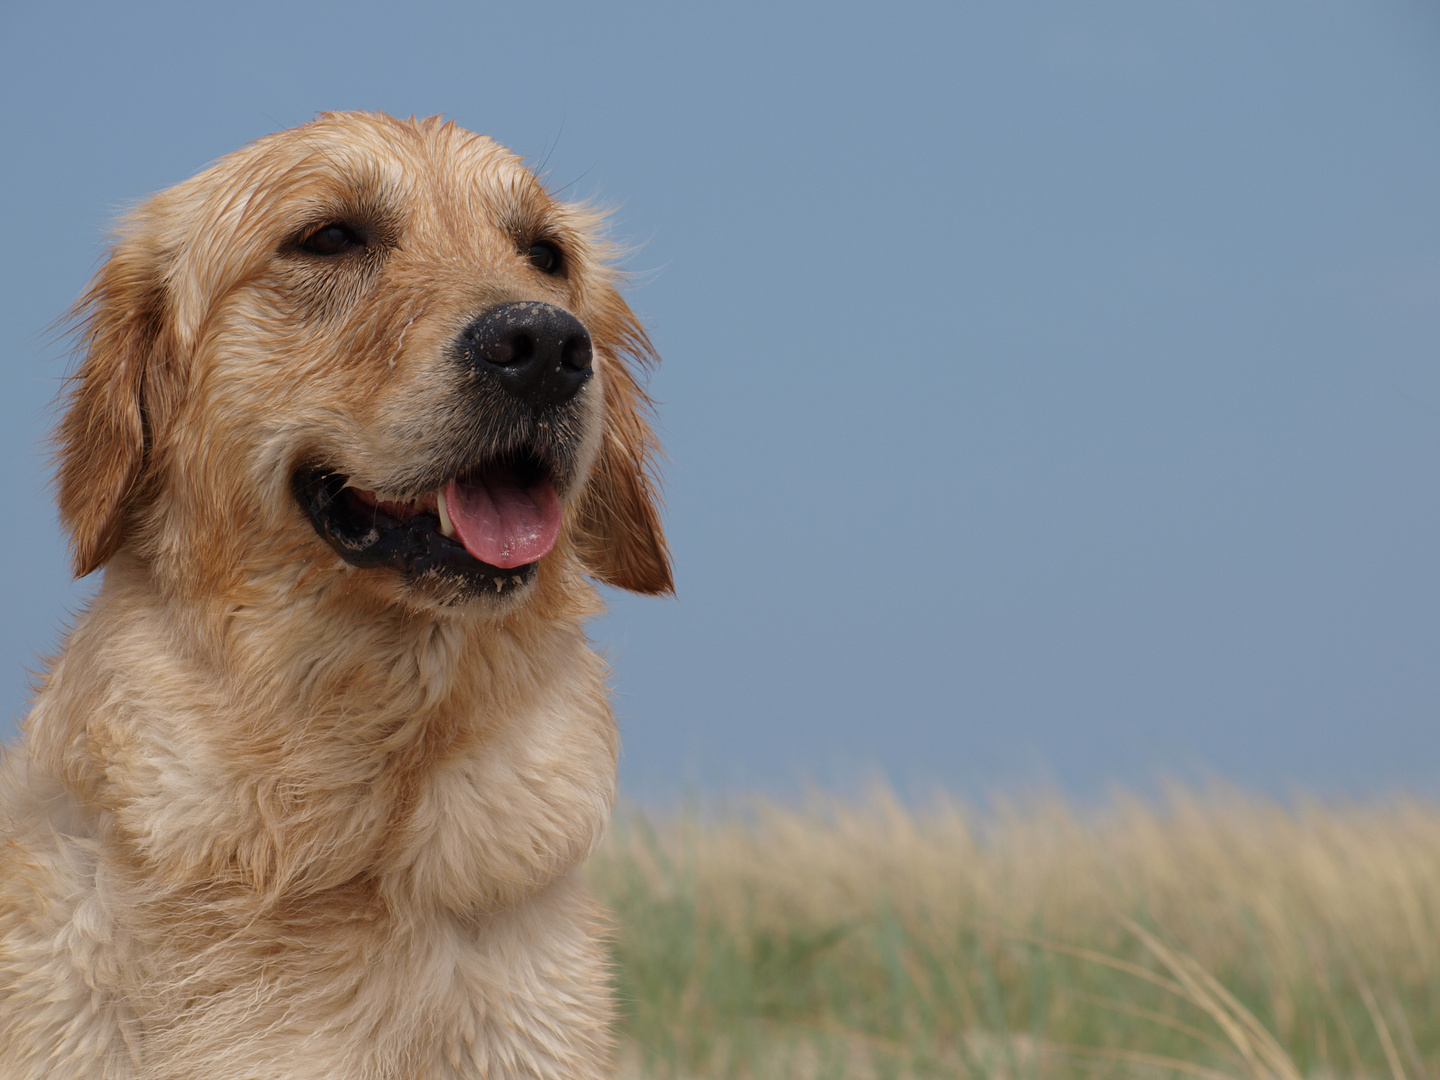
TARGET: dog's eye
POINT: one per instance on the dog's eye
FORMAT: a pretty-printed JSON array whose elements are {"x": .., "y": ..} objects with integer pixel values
[
  {"x": 544, "y": 256},
  {"x": 336, "y": 238}
]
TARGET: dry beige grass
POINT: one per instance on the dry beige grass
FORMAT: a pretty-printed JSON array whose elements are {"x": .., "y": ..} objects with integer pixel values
[{"x": 1210, "y": 935}]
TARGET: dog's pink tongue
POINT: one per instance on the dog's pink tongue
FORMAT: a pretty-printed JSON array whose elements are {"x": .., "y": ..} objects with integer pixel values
[{"x": 502, "y": 523}]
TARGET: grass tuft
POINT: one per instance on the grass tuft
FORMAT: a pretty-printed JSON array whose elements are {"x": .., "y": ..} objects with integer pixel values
[{"x": 1208, "y": 935}]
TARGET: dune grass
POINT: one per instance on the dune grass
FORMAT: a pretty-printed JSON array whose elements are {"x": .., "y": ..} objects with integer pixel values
[{"x": 1200, "y": 935}]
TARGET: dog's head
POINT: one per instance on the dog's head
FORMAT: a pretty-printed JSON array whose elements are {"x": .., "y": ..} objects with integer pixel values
[{"x": 370, "y": 348}]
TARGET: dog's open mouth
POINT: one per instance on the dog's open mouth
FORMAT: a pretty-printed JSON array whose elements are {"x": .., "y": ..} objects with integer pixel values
[{"x": 489, "y": 525}]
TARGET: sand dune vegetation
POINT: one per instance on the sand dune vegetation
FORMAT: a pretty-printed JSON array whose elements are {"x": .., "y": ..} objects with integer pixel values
[{"x": 1204, "y": 935}]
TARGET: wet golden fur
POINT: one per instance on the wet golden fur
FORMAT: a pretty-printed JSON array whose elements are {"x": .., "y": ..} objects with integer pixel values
[{"x": 273, "y": 816}]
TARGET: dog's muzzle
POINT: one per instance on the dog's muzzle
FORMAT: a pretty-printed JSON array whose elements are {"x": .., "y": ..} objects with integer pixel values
[{"x": 486, "y": 519}]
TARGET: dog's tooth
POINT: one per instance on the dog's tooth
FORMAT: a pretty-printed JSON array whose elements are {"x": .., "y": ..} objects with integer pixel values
[
  {"x": 499, "y": 584},
  {"x": 515, "y": 581},
  {"x": 446, "y": 527}
]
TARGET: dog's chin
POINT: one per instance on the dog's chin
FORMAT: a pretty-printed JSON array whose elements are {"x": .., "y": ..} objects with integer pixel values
[
  {"x": 453, "y": 595},
  {"x": 432, "y": 560}
]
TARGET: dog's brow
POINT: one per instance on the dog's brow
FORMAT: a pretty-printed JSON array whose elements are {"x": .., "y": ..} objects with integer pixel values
[{"x": 526, "y": 217}]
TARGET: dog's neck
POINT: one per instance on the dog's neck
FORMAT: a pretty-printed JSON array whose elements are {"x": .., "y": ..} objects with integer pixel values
[{"x": 481, "y": 743}]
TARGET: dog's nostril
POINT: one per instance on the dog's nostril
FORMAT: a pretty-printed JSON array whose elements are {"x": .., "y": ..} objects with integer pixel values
[
  {"x": 522, "y": 348},
  {"x": 576, "y": 354}
]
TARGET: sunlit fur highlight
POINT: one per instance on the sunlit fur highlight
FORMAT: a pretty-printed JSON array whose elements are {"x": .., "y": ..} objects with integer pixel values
[{"x": 273, "y": 816}]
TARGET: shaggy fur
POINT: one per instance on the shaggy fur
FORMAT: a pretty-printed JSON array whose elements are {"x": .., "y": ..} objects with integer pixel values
[{"x": 274, "y": 816}]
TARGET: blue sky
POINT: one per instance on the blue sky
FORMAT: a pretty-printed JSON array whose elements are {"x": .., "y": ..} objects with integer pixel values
[{"x": 1050, "y": 389}]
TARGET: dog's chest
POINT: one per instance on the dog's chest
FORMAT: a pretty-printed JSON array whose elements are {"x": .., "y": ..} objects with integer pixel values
[{"x": 520, "y": 993}]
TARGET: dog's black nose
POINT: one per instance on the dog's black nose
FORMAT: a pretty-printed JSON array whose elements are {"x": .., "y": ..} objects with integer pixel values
[{"x": 536, "y": 351}]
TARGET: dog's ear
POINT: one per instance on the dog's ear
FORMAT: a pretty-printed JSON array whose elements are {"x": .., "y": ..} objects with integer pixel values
[
  {"x": 620, "y": 538},
  {"x": 112, "y": 402}
]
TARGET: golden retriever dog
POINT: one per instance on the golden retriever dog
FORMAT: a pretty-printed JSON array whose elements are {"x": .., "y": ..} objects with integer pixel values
[{"x": 307, "y": 790}]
